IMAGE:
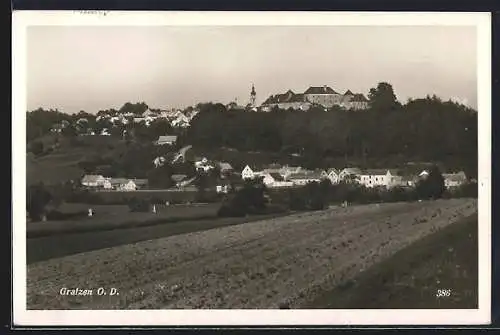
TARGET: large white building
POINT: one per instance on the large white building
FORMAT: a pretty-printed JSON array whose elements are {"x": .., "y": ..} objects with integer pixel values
[
  {"x": 316, "y": 95},
  {"x": 380, "y": 178},
  {"x": 452, "y": 180}
]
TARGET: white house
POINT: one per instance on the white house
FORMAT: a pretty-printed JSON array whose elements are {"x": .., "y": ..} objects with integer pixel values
[
  {"x": 423, "y": 174},
  {"x": 124, "y": 184},
  {"x": 275, "y": 180},
  {"x": 203, "y": 165},
  {"x": 159, "y": 161},
  {"x": 379, "y": 177},
  {"x": 167, "y": 139},
  {"x": 247, "y": 173},
  {"x": 302, "y": 178},
  {"x": 93, "y": 180},
  {"x": 289, "y": 170},
  {"x": 333, "y": 175},
  {"x": 180, "y": 120},
  {"x": 109, "y": 184},
  {"x": 225, "y": 167},
  {"x": 222, "y": 188},
  {"x": 128, "y": 186},
  {"x": 452, "y": 180},
  {"x": 348, "y": 173}
]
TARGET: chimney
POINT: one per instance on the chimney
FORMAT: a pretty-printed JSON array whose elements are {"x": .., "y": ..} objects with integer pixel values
[{"x": 324, "y": 88}]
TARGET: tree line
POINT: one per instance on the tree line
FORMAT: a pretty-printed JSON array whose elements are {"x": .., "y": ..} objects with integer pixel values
[
  {"x": 422, "y": 130},
  {"x": 41, "y": 121}
]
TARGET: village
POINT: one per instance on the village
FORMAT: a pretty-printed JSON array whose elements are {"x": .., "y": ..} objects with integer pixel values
[
  {"x": 276, "y": 176},
  {"x": 323, "y": 97}
]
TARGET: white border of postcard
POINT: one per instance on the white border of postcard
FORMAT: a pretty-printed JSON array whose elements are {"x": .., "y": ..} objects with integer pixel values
[{"x": 23, "y": 317}]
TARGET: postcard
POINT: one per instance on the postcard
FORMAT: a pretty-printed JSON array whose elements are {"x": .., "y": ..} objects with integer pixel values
[{"x": 251, "y": 168}]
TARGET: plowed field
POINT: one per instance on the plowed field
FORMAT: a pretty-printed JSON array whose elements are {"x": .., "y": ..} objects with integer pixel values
[{"x": 265, "y": 264}]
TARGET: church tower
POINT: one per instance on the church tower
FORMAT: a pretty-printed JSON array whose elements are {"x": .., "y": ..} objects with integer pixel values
[{"x": 252, "y": 96}]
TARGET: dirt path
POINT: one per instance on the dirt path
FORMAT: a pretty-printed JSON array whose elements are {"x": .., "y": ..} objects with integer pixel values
[{"x": 265, "y": 264}]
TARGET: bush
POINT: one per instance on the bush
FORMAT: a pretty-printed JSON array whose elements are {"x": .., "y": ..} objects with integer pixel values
[
  {"x": 312, "y": 196},
  {"x": 249, "y": 200},
  {"x": 431, "y": 187},
  {"x": 38, "y": 198}
]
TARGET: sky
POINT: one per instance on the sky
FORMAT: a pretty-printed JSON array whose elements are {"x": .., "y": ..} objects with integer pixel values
[{"x": 92, "y": 68}]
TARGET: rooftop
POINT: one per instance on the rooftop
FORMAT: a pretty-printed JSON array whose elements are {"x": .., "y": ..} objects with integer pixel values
[{"x": 320, "y": 90}]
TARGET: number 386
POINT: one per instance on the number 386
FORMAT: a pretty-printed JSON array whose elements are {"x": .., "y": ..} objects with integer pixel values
[{"x": 443, "y": 293}]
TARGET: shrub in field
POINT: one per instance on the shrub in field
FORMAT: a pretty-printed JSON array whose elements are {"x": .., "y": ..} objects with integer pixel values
[
  {"x": 312, "y": 196},
  {"x": 315, "y": 195},
  {"x": 38, "y": 198},
  {"x": 250, "y": 199},
  {"x": 431, "y": 187}
]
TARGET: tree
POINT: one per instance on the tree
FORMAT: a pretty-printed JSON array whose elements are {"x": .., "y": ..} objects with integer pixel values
[
  {"x": 69, "y": 131},
  {"x": 38, "y": 197},
  {"x": 382, "y": 98},
  {"x": 137, "y": 109},
  {"x": 160, "y": 177},
  {"x": 431, "y": 187},
  {"x": 251, "y": 199},
  {"x": 157, "y": 128}
]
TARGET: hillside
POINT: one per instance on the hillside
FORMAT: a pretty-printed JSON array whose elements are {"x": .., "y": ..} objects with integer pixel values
[{"x": 62, "y": 163}]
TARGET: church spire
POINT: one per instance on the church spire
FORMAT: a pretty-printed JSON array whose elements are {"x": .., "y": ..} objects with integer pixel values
[{"x": 252, "y": 96}]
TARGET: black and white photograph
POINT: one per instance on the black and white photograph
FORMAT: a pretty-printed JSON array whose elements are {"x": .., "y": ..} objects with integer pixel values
[{"x": 251, "y": 168}]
